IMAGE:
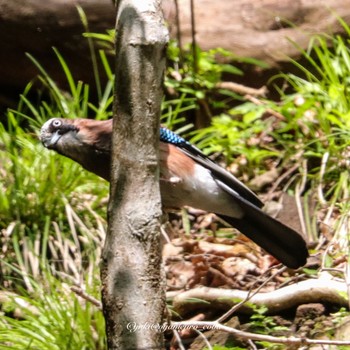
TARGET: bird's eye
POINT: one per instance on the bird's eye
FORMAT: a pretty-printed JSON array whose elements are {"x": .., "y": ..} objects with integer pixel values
[{"x": 56, "y": 123}]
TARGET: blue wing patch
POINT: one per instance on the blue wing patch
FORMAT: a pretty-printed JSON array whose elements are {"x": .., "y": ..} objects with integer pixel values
[{"x": 168, "y": 136}]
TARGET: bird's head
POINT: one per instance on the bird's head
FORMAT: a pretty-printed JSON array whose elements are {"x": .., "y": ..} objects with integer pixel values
[
  {"x": 86, "y": 141},
  {"x": 56, "y": 131}
]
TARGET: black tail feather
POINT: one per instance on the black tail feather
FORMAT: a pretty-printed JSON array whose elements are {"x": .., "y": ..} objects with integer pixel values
[{"x": 279, "y": 240}]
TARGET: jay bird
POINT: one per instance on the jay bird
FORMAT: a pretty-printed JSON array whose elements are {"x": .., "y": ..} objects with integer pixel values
[{"x": 187, "y": 177}]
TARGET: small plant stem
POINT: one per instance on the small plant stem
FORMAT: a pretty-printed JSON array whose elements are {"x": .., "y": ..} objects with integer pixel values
[
  {"x": 178, "y": 32},
  {"x": 260, "y": 337},
  {"x": 194, "y": 42}
]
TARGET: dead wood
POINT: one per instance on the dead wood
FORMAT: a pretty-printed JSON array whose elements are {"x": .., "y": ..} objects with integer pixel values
[{"x": 309, "y": 291}]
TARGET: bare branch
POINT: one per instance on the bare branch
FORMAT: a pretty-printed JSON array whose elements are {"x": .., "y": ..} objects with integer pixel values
[
  {"x": 309, "y": 291},
  {"x": 79, "y": 291},
  {"x": 241, "y": 89}
]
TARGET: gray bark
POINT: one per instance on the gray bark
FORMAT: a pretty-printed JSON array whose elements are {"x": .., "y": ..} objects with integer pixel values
[{"x": 133, "y": 284}]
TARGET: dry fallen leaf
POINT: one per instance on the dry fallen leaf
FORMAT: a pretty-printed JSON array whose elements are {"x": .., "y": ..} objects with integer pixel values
[
  {"x": 239, "y": 267},
  {"x": 264, "y": 179},
  {"x": 170, "y": 250},
  {"x": 180, "y": 274}
]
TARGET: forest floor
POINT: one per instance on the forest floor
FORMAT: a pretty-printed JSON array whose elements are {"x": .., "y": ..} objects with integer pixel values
[{"x": 204, "y": 259}]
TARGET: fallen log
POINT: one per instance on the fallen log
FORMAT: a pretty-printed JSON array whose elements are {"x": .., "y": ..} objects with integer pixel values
[{"x": 309, "y": 291}]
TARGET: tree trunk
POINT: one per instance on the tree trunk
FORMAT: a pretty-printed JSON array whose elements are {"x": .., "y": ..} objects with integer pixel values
[{"x": 133, "y": 286}]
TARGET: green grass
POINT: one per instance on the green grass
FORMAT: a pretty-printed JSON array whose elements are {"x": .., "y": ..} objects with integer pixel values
[
  {"x": 35, "y": 183},
  {"x": 51, "y": 317},
  {"x": 314, "y": 120},
  {"x": 52, "y": 224},
  {"x": 52, "y": 234}
]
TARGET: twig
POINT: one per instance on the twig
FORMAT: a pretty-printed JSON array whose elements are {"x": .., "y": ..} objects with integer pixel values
[
  {"x": 241, "y": 89},
  {"x": 322, "y": 172},
  {"x": 347, "y": 280},
  {"x": 164, "y": 234},
  {"x": 250, "y": 294},
  {"x": 178, "y": 31},
  {"x": 206, "y": 341},
  {"x": 261, "y": 103},
  {"x": 215, "y": 272},
  {"x": 193, "y": 35},
  {"x": 178, "y": 340},
  {"x": 187, "y": 333},
  {"x": 252, "y": 345},
  {"x": 84, "y": 295},
  {"x": 300, "y": 187},
  {"x": 280, "y": 179},
  {"x": 252, "y": 336}
]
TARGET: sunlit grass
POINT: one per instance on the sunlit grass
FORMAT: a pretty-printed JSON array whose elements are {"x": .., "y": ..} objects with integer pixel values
[{"x": 51, "y": 317}]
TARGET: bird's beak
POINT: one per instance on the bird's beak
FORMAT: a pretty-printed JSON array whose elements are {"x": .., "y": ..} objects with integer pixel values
[{"x": 49, "y": 140}]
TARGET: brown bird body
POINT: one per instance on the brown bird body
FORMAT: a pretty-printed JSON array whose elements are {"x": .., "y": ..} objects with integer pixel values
[{"x": 187, "y": 177}]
